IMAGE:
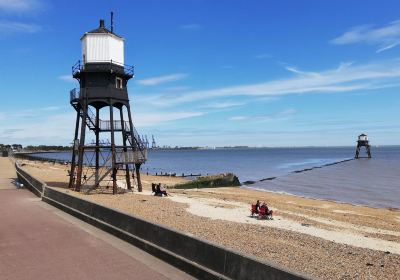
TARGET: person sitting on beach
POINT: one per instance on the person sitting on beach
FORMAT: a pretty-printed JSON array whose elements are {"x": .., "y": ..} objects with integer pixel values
[
  {"x": 268, "y": 212},
  {"x": 262, "y": 206},
  {"x": 257, "y": 206},
  {"x": 158, "y": 189},
  {"x": 153, "y": 188},
  {"x": 163, "y": 190},
  {"x": 261, "y": 211}
]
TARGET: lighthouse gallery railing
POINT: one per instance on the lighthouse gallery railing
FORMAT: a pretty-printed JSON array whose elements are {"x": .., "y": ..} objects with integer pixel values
[{"x": 103, "y": 65}]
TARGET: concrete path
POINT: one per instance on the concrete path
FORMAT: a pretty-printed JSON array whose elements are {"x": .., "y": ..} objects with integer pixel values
[
  {"x": 38, "y": 241},
  {"x": 7, "y": 174}
]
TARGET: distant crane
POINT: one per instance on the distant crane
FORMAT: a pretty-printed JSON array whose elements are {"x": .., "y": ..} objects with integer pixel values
[
  {"x": 146, "y": 141},
  {"x": 153, "y": 142}
]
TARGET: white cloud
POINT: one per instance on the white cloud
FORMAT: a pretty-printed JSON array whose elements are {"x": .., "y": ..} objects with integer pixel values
[
  {"x": 19, "y": 5},
  {"x": 162, "y": 79},
  {"x": 177, "y": 88},
  {"x": 385, "y": 37},
  {"x": 33, "y": 112},
  {"x": 348, "y": 77},
  {"x": 344, "y": 65},
  {"x": 384, "y": 48},
  {"x": 282, "y": 115},
  {"x": 44, "y": 128},
  {"x": 55, "y": 125},
  {"x": 155, "y": 118},
  {"x": 8, "y": 27},
  {"x": 287, "y": 112},
  {"x": 192, "y": 26},
  {"x": 11, "y": 131},
  {"x": 237, "y": 118},
  {"x": 223, "y": 105},
  {"x": 50, "y": 108},
  {"x": 67, "y": 78},
  {"x": 297, "y": 71},
  {"x": 279, "y": 116}
]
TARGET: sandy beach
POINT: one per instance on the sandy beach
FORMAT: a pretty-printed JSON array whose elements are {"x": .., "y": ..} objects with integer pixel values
[{"x": 323, "y": 239}]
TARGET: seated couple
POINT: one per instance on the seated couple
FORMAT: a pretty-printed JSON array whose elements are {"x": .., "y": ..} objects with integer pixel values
[
  {"x": 262, "y": 209},
  {"x": 158, "y": 189}
]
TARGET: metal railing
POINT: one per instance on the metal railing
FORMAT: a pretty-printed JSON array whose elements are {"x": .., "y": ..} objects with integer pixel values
[
  {"x": 77, "y": 67},
  {"x": 105, "y": 65},
  {"x": 130, "y": 157},
  {"x": 106, "y": 125},
  {"x": 139, "y": 147},
  {"x": 74, "y": 94}
]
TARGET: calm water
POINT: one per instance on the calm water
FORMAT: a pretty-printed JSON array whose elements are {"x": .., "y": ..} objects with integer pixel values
[{"x": 257, "y": 164}]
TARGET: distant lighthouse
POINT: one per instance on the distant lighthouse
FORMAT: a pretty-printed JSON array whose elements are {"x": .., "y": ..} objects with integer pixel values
[
  {"x": 103, "y": 78},
  {"x": 363, "y": 142}
]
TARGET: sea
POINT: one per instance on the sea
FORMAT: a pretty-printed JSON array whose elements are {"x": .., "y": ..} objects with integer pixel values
[{"x": 314, "y": 172}]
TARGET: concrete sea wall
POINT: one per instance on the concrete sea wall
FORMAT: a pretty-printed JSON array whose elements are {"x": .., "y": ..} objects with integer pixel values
[{"x": 197, "y": 257}]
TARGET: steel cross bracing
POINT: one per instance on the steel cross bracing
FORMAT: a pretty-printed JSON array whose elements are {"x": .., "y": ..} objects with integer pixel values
[
  {"x": 106, "y": 170},
  {"x": 105, "y": 126}
]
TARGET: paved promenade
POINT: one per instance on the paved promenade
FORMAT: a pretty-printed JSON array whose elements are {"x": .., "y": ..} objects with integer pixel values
[{"x": 38, "y": 241}]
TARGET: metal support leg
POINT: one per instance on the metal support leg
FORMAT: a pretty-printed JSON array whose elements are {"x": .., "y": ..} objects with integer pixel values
[
  {"x": 74, "y": 151},
  {"x": 368, "y": 151},
  {"x": 123, "y": 128},
  {"x": 357, "y": 152},
  {"x": 81, "y": 148},
  {"x": 137, "y": 167},
  {"x": 97, "y": 151},
  {"x": 113, "y": 154},
  {"x": 136, "y": 148}
]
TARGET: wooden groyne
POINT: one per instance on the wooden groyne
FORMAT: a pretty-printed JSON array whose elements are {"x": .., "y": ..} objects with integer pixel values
[
  {"x": 299, "y": 171},
  {"x": 316, "y": 167}
]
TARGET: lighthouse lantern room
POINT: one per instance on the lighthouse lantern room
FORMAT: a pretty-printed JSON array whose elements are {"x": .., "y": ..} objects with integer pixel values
[{"x": 101, "y": 45}]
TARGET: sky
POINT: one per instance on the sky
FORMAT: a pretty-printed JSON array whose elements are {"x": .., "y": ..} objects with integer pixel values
[{"x": 212, "y": 73}]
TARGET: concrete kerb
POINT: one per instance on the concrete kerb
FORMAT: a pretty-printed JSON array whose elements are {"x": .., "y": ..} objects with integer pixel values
[{"x": 195, "y": 256}]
